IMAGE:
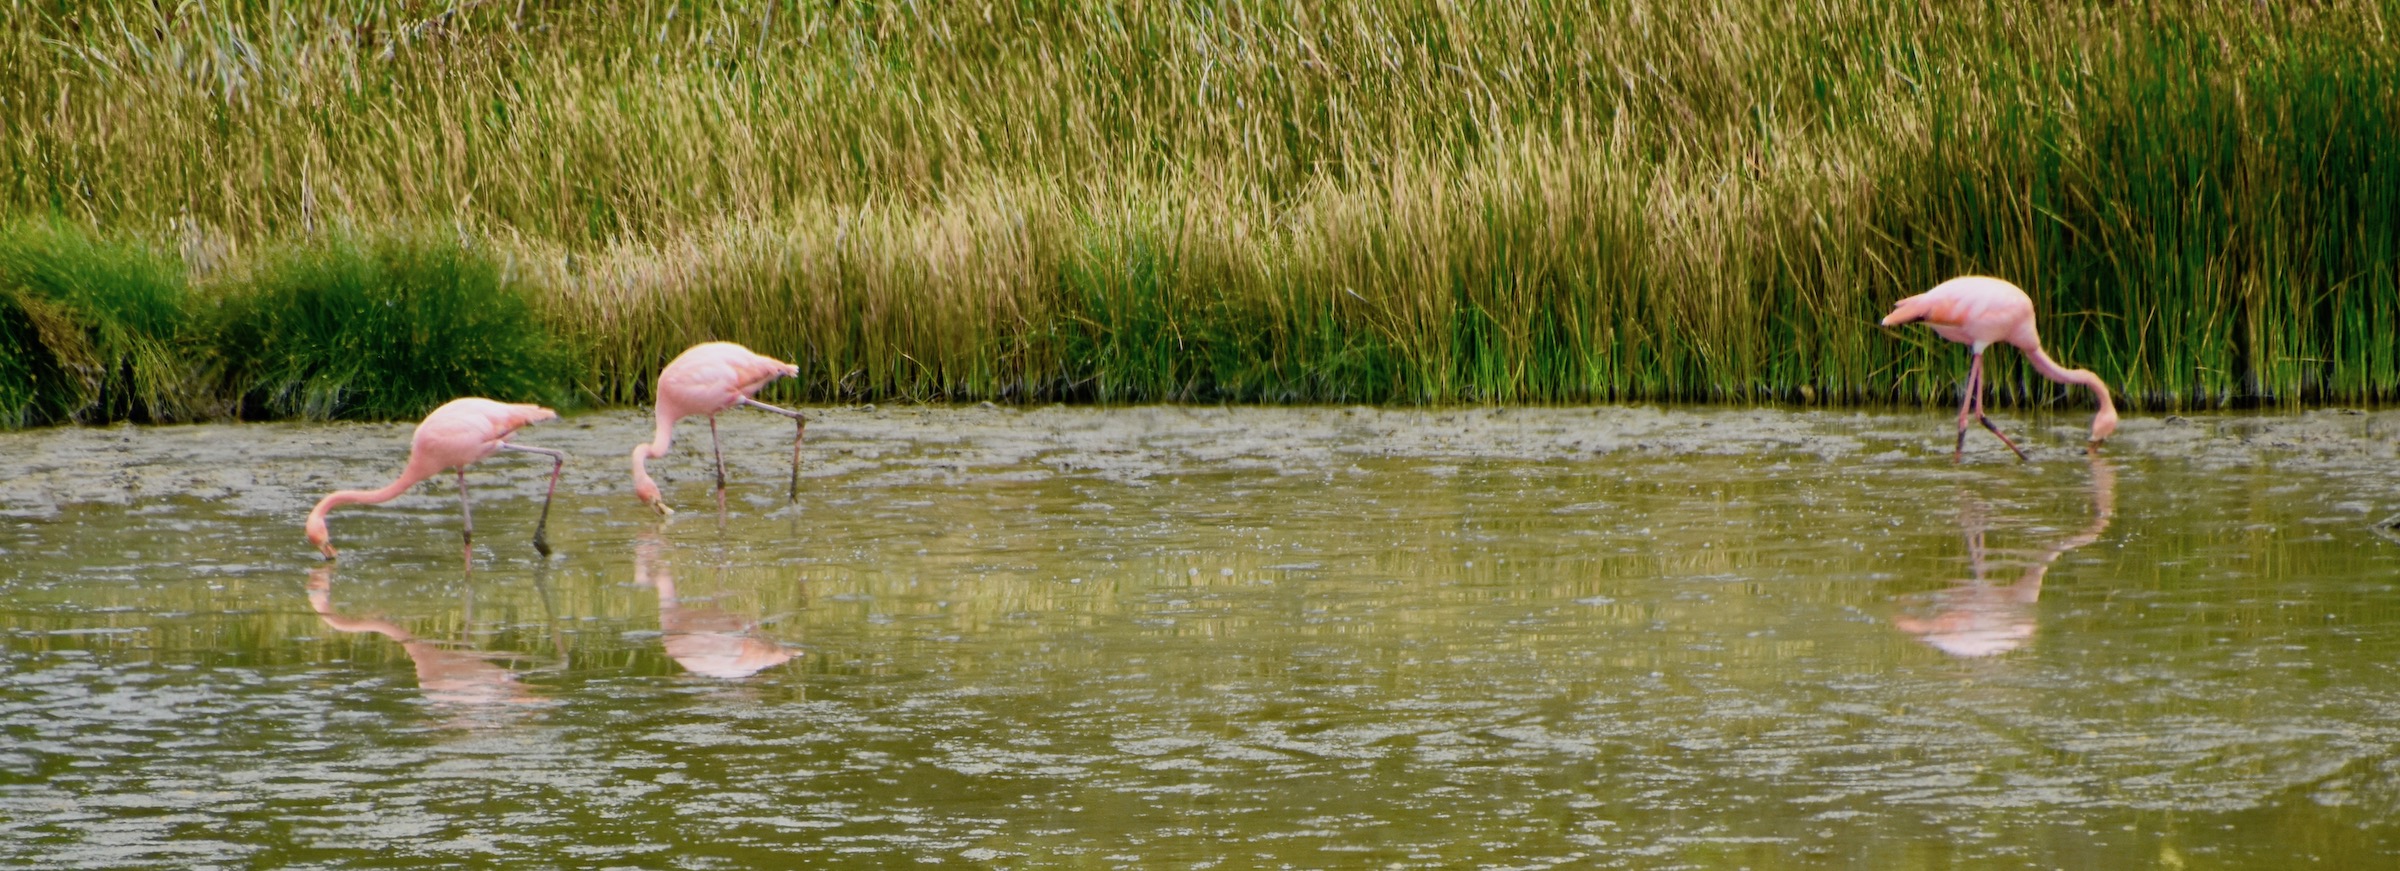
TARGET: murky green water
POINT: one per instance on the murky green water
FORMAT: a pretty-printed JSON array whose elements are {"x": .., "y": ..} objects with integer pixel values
[{"x": 1577, "y": 638}]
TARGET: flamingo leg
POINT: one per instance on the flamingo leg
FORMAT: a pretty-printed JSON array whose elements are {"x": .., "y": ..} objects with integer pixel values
[
  {"x": 541, "y": 528},
  {"x": 719, "y": 448},
  {"x": 1968, "y": 408},
  {"x": 1987, "y": 424},
  {"x": 466, "y": 518},
  {"x": 800, "y": 434},
  {"x": 1986, "y": 421}
]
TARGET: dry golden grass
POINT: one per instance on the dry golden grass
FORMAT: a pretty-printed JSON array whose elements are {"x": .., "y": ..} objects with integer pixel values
[{"x": 1415, "y": 201}]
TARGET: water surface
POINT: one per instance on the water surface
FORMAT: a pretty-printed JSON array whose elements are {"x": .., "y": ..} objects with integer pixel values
[{"x": 1168, "y": 637}]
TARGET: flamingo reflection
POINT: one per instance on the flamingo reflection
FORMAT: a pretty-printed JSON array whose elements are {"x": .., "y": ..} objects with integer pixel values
[
  {"x": 447, "y": 675},
  {"x": 711, "y": 642},
  {"x": 1976, "y": 617}
]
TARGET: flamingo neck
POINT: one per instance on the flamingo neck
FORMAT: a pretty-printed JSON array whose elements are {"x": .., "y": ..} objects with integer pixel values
[
  {"x": 2103, "y": 423},
  {"x": 660, "y": 439},
  {"x": 338, "y": 498}
]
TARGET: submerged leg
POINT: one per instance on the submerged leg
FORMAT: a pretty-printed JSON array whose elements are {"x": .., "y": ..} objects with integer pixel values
[
  {"x": 799, "y": 435},
  {"x": 719, "y": 449},
  {"x": 541, "y": 528},
  {"x": 466, "y": 519},
  {"x": 1987, "y": 424},
  {"x": 1968, "y": 408}
]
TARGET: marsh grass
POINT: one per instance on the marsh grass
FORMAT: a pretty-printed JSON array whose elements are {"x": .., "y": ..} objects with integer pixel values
[
  {"x": 92, "y": 329},
  {"x": 1400, "y": 202},
  {"x": 385, "y": 328}
]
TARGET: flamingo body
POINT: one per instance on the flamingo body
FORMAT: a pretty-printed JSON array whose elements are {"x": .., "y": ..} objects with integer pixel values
[
  {"x": 1973, "y": 310},
  {"x": 706, "y": 379},
  {"x": 1980, "y": 311},
  {"x": 455, "y": 436}
]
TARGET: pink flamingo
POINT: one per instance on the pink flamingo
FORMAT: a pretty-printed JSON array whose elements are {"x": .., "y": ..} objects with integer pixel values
[
  {"x": 454, "y": 436},
  {"x": 708, "y": 378},
  {"x": 1977, "y": 311}
]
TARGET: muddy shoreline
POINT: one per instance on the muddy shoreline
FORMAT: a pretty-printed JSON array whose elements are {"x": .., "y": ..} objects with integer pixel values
[{"x": 2351, "y": 458}]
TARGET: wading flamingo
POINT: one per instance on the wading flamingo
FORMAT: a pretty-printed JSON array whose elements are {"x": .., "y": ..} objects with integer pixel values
[
  {"x": 454, "y": 436},
  {"x": 705, "y": 379},
  {"x": 1976, "y": 311}
]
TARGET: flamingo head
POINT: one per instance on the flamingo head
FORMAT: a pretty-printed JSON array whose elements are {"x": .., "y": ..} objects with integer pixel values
[
  {"x": 321, "y": 537},
  {"x": 647, "y": 491},
  {"x": 2104, "y": 425}
]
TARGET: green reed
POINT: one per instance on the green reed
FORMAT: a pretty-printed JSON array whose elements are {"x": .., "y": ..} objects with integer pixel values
[
  {"x": 92, "y": 330},
  {"x": 383, "y": 329},
  {"x": 1404, "y": 202}
]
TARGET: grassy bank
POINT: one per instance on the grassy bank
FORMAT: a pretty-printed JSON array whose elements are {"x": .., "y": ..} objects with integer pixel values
[{"x": 1408, "y": 202}]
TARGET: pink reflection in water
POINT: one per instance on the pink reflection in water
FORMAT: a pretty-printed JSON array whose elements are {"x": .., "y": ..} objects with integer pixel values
[
  {"x": 446, "y": 674},
  {"x": 1977, "y": 617},
  {"x": 711, "y": 642}
]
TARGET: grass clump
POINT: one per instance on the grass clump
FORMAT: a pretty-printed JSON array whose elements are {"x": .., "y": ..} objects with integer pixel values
[
  {"x": 385, "y": 329},
  {"x": 91, "y": 329}
]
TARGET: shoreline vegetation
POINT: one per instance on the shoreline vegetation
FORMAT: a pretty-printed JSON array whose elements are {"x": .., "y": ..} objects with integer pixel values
[{"x": 268, "y": 209}]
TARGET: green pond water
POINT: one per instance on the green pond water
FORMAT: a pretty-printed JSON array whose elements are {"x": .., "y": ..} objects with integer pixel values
[{"x": 1206, "y": 638}]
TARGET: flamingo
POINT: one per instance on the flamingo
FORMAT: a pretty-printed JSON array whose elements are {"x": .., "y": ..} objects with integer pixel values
[
  {"x": 1977, "y": 310},
  {"x": 708, "y": 378},
  {"x": 454, "y": 436}
]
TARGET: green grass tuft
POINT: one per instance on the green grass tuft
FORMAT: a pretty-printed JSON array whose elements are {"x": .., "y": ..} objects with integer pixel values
[
  {"x": 91, "y": 330},
  {"x": 385, "y": 329}
]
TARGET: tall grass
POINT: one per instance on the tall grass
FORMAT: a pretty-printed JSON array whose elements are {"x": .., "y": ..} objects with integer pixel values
[
  {"x": 383, "y": 329},
  {"x": 1411, "y": 201},
  {"x": 92, "y": 329}
]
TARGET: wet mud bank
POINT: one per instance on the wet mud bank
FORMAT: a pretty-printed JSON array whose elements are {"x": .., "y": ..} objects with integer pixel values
[{"x": 2352, "y": 457}]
